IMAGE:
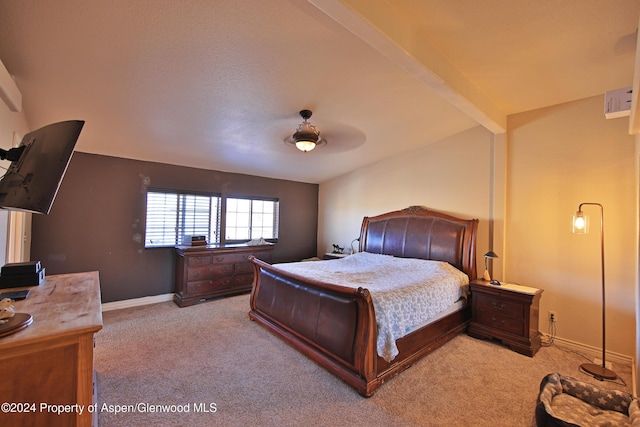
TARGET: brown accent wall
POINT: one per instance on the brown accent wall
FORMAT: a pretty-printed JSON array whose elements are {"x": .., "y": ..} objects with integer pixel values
[{"x": 97, "y": 221}]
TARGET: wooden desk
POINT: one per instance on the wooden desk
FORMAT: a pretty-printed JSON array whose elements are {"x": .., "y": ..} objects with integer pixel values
[{"x": 51, "y": 361}]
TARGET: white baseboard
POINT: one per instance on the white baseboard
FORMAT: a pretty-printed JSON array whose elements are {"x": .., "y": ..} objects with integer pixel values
[
  {"x": 590, "y": 351},
  {"x": 135, "y": 302},
  {"x": 596, "y": 353}
]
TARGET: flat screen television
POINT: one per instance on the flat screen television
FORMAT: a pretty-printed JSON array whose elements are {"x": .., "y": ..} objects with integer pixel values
[{"x": 37, "y": 167}]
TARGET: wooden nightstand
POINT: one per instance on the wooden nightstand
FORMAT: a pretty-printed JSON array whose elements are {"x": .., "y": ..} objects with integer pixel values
[{"x": 509, "y": 313}]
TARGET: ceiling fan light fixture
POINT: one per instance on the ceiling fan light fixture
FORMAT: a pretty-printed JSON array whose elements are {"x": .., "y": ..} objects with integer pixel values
[
  {"x": 307, "y": 136},
  {"x": 305, "y": 146}
]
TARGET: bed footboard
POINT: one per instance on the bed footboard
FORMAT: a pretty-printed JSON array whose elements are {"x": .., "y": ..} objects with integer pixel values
[{"x": 333, "y": 325}]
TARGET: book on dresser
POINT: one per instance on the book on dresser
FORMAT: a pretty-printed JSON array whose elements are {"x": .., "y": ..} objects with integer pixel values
[{"x": 195, "y": 240}]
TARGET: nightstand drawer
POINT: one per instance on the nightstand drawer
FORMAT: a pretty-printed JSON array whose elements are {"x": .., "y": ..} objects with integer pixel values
[
  {"x": 499, "y": 306},
  {"x": 503, "y": 323}
]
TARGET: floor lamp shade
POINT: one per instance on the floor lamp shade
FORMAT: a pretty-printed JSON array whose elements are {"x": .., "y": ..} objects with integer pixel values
[{"x": 581, "y": 226}]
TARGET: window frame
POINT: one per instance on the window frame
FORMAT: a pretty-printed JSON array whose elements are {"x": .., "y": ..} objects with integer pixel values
[
  {"x": 219, "y": 230},
  {"x": 179, "y": 221},
  {"x": 276, "y": 218}
]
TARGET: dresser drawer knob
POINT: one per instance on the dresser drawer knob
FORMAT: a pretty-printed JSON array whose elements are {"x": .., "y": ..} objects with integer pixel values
[
  {"x": 498, "y": 307},
  {"x": 495, "y": 321}
]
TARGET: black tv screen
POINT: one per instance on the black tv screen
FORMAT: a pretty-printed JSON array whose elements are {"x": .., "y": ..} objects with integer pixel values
[{"x": 37, "y": 167}]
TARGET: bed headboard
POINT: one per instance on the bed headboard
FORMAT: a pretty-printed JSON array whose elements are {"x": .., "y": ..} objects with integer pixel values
[{"x": 416, "y": 232}]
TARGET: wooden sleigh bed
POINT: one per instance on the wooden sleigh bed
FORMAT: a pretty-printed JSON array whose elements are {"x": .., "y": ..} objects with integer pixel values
[{"x": 336, "y": 325}]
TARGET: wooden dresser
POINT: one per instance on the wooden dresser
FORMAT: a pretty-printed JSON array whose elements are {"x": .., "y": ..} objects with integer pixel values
[
  {"x": 209, "y": 271},
  {"x": 509, "y": 313},
  {"x": 51, "y": 361}
]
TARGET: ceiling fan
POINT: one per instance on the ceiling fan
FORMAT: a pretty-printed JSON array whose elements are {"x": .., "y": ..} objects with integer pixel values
[{"x": 306, "y": 137}]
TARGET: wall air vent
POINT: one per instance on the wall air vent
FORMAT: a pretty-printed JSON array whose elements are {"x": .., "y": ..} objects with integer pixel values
[{"x": 617, "y": 103}]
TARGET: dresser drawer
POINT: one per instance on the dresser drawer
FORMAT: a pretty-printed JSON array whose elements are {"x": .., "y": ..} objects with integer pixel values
[
  {"x": 209, "y": 271},
  {"x": 197, "y": 261},
  {"x": 204, "y": 286},
  {"x": 229, "y": 258},
  {"x": 243, "y": 280},
  {"x": 244, "y": 268},
  {"x": 496, "y": 321},
  {"x": 499, "y": 306}
]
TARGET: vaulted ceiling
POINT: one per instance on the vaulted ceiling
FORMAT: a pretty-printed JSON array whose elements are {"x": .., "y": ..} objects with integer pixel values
[{"x": 218, "y": 84}]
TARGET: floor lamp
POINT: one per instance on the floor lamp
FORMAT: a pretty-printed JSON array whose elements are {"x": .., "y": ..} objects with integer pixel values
[{"x": 580, "y": 226}]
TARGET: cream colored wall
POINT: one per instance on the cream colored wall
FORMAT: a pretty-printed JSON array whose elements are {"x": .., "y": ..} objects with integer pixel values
[
  {"x": 558, "y": 157},
  {"x": 452, "y": 176},
  {"x": 555, "y": 158}
]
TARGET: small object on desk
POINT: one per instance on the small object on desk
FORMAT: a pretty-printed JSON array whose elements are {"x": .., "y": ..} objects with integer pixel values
[
  {"x": 23, "y": 279},
  {"x": 7, "y": 310},
  {"x": 15, "y": 295},
  {"x": 13, "y": 268},
  {"x": 495, "y": 282},
  {"x": 15, "y": 324}
]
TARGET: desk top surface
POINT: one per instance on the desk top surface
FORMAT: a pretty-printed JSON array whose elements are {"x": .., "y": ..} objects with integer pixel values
[{"x": 65, "y": 304}]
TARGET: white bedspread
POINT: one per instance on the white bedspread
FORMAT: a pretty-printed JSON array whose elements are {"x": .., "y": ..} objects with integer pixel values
[{"x": 406, "y": 292}]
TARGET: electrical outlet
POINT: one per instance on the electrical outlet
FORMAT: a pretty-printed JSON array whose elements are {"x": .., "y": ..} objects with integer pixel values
[{"x": 553, "y": 317}]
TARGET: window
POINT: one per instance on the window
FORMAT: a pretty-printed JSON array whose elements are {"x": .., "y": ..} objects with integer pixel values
[
  {"x": 251, "y": 218},
  {"x": 173, "y": 215}
]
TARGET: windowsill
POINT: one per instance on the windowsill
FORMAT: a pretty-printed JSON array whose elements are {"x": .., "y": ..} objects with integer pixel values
[{"x": 221, "y": 246}]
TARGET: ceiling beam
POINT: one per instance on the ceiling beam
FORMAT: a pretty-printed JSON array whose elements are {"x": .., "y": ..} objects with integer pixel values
[{"x": 383, "y": 28}]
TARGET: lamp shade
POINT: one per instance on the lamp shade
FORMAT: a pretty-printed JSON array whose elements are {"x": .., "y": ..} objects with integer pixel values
[
  {"x": 580, "y": 223},
  {"x": 491, "y": 254},
  {"x": 487, "y": 256}
]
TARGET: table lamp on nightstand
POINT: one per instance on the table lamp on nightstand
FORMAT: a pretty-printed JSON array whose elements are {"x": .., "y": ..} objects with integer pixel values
[
  {"x": 353, "y": 251},
  {"x": 488, "y": 255}
]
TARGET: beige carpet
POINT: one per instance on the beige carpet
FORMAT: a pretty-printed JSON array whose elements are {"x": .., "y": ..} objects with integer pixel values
[{"x": 212, "y": 357}]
